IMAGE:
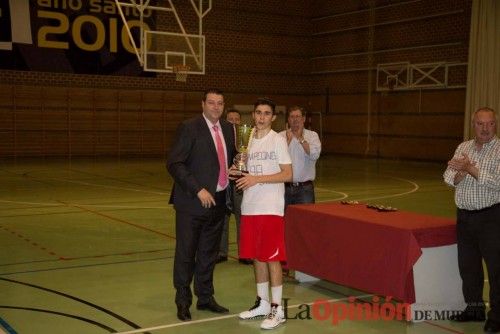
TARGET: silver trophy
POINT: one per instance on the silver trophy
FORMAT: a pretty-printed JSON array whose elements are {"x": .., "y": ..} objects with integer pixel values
[{"x": 243, "y": 135}]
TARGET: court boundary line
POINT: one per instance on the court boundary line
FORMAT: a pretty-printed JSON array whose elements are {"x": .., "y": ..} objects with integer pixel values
[
  {"x": 83, "y": 208},
  {"x": 229, "y": 316},
  {"x": 194, "y": 322},
  {"x": 63, "y": 314},
  {"x": 111, "y": 187},
  {"x": 415, "y": 188},
  {"x": 124, "y": 180},
  {"x": 86, "y": 266},
  {"x": 51, "y": 205},
  {"x": 5, "y": 325},
  {"x": 77, "y": 299},
  {"x": 344, "y": 195}
]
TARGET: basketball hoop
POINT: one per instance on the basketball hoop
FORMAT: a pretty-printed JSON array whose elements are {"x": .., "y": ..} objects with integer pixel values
[
  {"x": 181, "y": 72},
  {"x": 392, "y": 81}
]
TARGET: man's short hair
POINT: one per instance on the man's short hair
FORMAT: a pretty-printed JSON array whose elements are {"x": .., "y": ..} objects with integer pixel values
[
  {"x": 302, "y": 110},
  {"x": 265, "y": 101},
  {"x": 215, "y": 91},
  {"x": 487, "y": 109},
  {"x": 230, "y": 110}
]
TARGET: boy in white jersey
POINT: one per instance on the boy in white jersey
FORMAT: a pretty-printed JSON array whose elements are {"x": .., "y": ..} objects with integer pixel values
[{"x": 262, "y": 234}]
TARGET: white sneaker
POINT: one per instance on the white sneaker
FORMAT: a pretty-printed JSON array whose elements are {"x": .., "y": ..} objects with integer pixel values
[
  {"x": 261, "y": 309},
  {"x": 275, "y": 318}
]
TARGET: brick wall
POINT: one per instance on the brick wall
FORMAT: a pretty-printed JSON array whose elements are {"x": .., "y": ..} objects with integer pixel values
[
  {"x": 294, "y": 51},
  {"x": 349, "y": 39}
]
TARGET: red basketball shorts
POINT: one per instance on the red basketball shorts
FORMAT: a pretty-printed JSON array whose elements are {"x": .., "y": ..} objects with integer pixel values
[{"x": 262, "y": 237}]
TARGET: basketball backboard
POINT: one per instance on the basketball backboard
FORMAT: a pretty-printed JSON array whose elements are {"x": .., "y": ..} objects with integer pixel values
[{"x": 161, "y": 50}]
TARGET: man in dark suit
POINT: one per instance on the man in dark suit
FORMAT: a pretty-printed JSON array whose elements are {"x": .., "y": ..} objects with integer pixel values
[{"x": 198, "y": 161}]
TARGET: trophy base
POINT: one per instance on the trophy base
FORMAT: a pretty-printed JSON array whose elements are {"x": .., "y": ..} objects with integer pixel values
[{"x": 238, "y": 174}]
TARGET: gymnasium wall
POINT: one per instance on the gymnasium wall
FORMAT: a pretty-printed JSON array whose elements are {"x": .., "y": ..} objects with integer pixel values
[
  {"x": 313, "y": 53},
  {"x": 422, "y": 124}
]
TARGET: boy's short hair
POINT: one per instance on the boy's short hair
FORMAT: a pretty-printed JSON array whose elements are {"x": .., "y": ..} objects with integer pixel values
[{"x": 266, "y": 102}]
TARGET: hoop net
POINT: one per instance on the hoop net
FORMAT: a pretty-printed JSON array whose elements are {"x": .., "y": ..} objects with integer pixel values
[{"x": 181, "y": 72}]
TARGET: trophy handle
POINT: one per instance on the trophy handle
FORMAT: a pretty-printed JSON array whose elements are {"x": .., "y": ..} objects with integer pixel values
[{"x": 235, "y": 142}]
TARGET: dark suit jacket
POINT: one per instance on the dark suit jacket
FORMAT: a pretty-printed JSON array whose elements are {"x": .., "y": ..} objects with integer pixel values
[{"x": 193, "y": 163}]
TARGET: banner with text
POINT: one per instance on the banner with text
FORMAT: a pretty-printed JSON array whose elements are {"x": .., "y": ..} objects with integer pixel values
[{"x": 70, "y": 36}]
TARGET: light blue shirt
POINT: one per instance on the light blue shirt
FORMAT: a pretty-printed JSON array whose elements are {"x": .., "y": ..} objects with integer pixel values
[{"x": 303, "y": 164}]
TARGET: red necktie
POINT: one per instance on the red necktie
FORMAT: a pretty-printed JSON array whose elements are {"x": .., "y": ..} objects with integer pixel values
[{"x": 222, "y": 159}]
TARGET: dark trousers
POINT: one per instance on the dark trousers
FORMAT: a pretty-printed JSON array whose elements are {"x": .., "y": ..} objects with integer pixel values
[
  {"x": 478, "y": 238},
  {"x": 300, "y": 194},
  {"x": 236, "y": 198},
  {"x": 196, "y": 249}
]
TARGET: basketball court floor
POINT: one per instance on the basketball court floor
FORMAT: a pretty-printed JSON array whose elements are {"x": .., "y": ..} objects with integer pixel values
[{"x": 87, "y": 246}]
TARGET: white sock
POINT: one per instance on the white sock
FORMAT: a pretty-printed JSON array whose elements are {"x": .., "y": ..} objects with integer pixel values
[
  {"x": 277, "y": 292},
  {"x": 263, "y": 290}
]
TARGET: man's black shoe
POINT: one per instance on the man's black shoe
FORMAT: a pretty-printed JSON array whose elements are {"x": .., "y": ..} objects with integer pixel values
[
  {"x": 212, "y": 306},
  {"x": 469, "y": 314},
  {"x": 245, "y": 261},
  {"x": 221, "y": 258},
  {"x": 492, "y": 327},
  {"x": 183, "y": 313}
]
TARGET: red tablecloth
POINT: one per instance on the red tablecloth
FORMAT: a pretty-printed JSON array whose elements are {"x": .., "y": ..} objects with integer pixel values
[{"x": 362, "y": 248}]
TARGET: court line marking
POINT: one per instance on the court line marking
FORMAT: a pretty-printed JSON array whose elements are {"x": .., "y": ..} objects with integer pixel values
[
  {"x": 122, "y": 206},
  {"x": 31, "y": 242},
  {"x": 96, "y": 205},
  {"x": 178, "y": 324},
  {"x": 83, "y": 208},
  {"x": 8, "y": 328},
  {"x": 38, "y": 179},
  {"x": 414, "y": 189},
  {"x": 91, "y": 205},
  {"x": 344, "y": 195},
  {"x": 86, "y": 266},
  {"x": 194, "y": 322},
  {"x": 77, "y": 299},
  {"x": 111, "y": 187},
  {"x": 63, "y": 314},
  {"x": 452, "y": 330},
  {"x": 124, "y": 179},
  {"x": 30, "y": 203}
]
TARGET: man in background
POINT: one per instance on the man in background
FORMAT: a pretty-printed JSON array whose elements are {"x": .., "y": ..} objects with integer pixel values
[
  {"x": 304, "y": 147},
  {"x": 474, "y": 171},
  {"x": 233, "y": 116}
]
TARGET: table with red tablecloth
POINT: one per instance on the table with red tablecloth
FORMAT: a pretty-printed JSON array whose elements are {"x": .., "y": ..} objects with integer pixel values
[{"x": 363, "y": 248}]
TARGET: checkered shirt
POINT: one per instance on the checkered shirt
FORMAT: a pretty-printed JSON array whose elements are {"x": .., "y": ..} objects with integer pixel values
[{"x": 472, "y": 194}]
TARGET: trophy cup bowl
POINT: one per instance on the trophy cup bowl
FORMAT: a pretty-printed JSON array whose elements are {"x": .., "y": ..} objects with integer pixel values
[{"x": 243, "y": 134}]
